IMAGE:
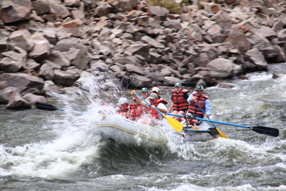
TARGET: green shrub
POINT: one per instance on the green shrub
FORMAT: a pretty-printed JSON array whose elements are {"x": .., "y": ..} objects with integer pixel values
[{"x": 168, "y": 4}]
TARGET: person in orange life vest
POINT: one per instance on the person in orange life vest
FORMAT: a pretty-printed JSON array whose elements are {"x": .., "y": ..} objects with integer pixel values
[
  {"x": 123, "y": 107},
  {"x": 144, "y": 93},
  {"x": 155, "y": 102},
  {"x": 179, "y": 98},
  {"x": 136, "y": 111},
  {"x": 198, "y": 96}
]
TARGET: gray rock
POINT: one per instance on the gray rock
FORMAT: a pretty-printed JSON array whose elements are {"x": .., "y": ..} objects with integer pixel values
[
  {"x": 159, "y": 13},
  {"x": 42, "y": 47},
  {"x": 16, "y": 101},
  {"x": 22, "y": 39},
  {"x": 134, "y": 69},
  {"x": 152, "y": 42},
  {"x": 238, "y": 40},
  {"x": 47, "y": 70},
  {"x": 170, "y": 81},
  {"x": 13, "y": 61},
  {"x": 4, "y": 99},
  {"x": 221, "y": 68},
  {"x": 13, "y": 11},
  {"x": 257, "y": 58},
  {"x": 138, "y": 81},
  {"x": 24, "y": 82},
  {"x": 59, "y": 58},
  {"x": 57, "y": 8},
  {"x": 141, "y": 49},
  {"x": 41, "y": 7},
  {"x": 65, "y": 78},
  {"x": 282, "y": 35},
  {"x": 32, "y": 98},
  {"x": 99, "y": 65}
]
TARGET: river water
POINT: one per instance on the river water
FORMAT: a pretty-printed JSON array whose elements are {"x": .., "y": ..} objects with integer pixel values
[{"x": 56, "y": 150}]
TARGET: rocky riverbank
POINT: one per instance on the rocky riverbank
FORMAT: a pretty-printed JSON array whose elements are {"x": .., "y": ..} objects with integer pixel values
[{"x": 48, "y": 45}]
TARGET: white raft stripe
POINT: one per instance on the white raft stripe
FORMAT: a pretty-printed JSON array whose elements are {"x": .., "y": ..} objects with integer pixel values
[{"x": 131, "y": 132}]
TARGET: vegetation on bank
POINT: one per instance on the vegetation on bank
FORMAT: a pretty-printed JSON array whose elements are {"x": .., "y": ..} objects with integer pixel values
[{"x": 171, "y": 5}]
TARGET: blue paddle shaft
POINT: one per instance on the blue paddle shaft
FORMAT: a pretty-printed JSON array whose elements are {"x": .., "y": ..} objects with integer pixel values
[
  {"x": 204, "y": 113},
  {"x": 148, "y": 103},
  {"x": 208, "y": 120}
]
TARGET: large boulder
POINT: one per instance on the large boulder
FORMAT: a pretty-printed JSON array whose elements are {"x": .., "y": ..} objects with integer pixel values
[
  {"x": 222, "y": 68},
  {"x": 65, "y": 78},
  {"x": 257, "y": 58},
  {"x": 238, "y": 40},
  {"x": 15, "y": 10},
  {"x": 32, "y": 98},
  {"x": 58, "y": 8},
  {"x": 47, "y": 70},
  {"x": 42, "y": 47},
  {"x": 138, "y": 81},
  {"x": 24, "y": 82},
  {"x": 13, "y": 61},
  {"x": 16, "y": 101},
  {"x": 22, "y": 39},
  {"x": 41, "y": 7},
  {"x": 75, "y": 52}
]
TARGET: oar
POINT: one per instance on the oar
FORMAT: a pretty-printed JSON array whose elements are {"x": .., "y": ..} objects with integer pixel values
[
  {"x": 49, "y": 107},
  {"x": 219, "y": 132},
  {"x": 259, "y": 129},
  {"x": 173, "y": 122}
]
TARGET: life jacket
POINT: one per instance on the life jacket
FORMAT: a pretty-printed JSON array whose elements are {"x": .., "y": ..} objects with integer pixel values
[
  {"x": 153, "y": 112},
  {"x": 121, "y": 110},
  {"x": 179, "y": 102},
  {"x": 194, "y": 108},
  {"x": 135, "y": 112}
]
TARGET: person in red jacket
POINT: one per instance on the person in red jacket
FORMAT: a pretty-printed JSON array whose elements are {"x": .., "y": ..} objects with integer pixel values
[
  {"x": 179, "y": 98},
  {"x": 155, "y": 102},
  {"x": 123, "y": 107},
  {"x": 136, "y": 111}
]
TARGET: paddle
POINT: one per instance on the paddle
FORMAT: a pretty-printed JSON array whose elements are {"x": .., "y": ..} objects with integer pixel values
[
  {"x": 173, "y": 122},
  {"x": 48, "y": 107},
  {"x": 259, "y": 129},
  {"x": 220, "y": 133}
]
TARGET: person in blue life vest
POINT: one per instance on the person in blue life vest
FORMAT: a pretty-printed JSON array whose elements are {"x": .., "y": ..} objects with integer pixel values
[
  {"x": 144, "y": 93},
  {"x": 198, "y": 97},
  {"x": 179, "y": 98},
  {"x": 123, "y": 107}
]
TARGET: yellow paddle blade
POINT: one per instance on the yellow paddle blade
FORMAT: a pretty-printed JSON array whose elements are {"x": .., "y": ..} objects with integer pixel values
[
  {"x": 174, "y": 123},
  {"x": 221, "y": 134}
]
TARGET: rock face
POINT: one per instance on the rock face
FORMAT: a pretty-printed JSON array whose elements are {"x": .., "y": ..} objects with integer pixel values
[{"x": 129, "y": 43}]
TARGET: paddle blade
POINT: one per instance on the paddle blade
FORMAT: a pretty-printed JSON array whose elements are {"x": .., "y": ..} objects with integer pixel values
[
  {"x": 175, "y": 124},
  {"x": 221, "y": 134},
  {"x": 266, "y": 130},
  {"x": 45, "y": 106}
]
